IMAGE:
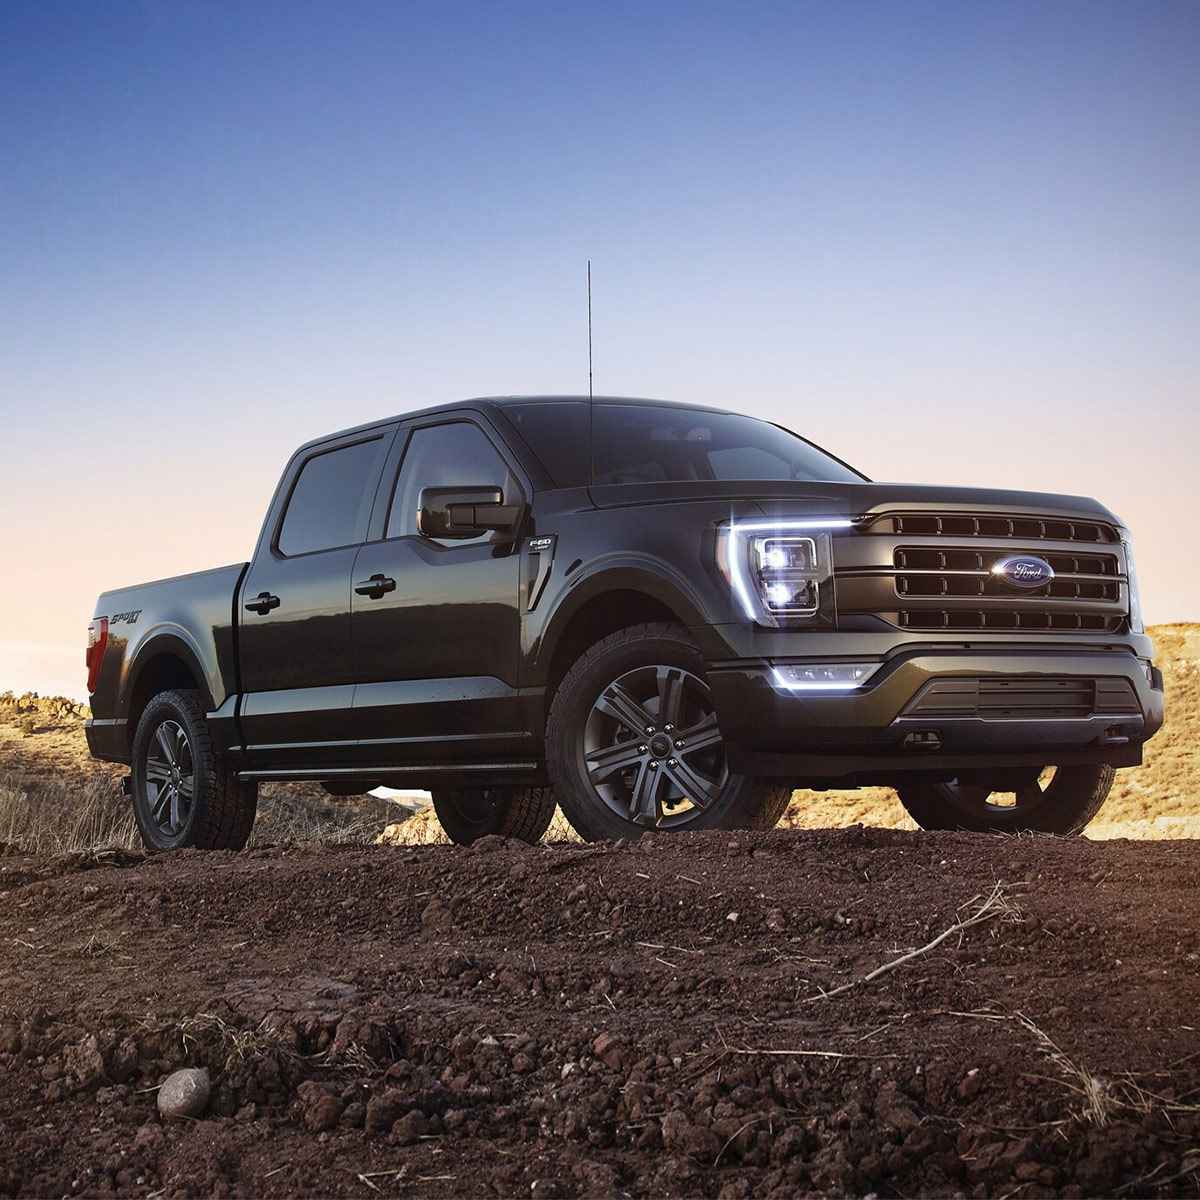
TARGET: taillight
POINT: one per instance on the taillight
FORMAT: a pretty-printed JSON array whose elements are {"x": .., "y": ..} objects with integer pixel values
[{"x": 97, "y": 640}]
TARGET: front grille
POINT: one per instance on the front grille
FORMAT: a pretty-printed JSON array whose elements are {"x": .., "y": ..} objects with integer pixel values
[
  {"x": 935, "y": 572},
  {"x": 1025, "y": 620},
  {"x": 964, "y": 525},
  {"x": 1017, "y": 697}
]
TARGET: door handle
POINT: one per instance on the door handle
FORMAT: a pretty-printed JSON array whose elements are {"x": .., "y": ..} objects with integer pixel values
[
  {"x": 376, "y": 586},
  {"x": 263, "y": 603}
]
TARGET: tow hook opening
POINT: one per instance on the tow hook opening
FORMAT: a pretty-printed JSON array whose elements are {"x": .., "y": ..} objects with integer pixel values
[{"x": 922, "y": 740}]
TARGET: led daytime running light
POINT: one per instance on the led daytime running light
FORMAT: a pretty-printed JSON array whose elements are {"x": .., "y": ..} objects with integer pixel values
[{"x": 823, "y": 677}]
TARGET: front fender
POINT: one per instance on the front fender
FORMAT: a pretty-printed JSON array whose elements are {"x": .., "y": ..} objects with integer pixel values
[{"x": 626, "y": 573}]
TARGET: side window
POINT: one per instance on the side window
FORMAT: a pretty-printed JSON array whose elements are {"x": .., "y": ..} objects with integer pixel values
[
  {"x": 328, "y": 502},
  {"x": 454, "y": 455}
]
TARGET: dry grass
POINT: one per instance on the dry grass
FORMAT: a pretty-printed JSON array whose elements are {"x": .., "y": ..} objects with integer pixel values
[
  {"x": 89, "y": 813},
  {"x": 60, "y": 818}
]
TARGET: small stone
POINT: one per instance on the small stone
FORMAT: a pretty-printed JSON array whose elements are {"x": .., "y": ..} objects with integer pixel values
[
  {"x": 324, "y": 1113},
  {"x": 970, "y": 1084},
  {"x": 184, "y": 1093},
  {"x": 776, "y": 921},
  {"x": 410, "y": 1128},
  {"x": 603, "y": 1044},
  {"x": 732, "y": 917},
  {"x": 606, "y": 1049},
  {"x": 381, "y": 1112}
]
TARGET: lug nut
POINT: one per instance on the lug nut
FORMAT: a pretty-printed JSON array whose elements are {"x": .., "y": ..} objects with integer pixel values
[
  {"x": 672, "y": 763},
  {"x": 643, "y": 749}
]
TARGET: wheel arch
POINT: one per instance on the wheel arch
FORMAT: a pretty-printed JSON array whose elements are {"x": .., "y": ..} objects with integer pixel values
[
  {"x": 163, "y": 663},
  {"x": 608, "y": 603}
]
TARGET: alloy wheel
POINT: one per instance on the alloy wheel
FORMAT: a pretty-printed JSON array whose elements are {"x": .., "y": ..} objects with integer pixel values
[{"x": 652, "y": 752}]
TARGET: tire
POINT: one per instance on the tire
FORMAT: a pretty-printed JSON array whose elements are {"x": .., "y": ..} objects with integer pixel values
[
  {"x": 467, "y": 814},
  {"x": 182, "y": 793},
  {"x": 633, "y": 745},
  {"x": 1060, "y": 800}
]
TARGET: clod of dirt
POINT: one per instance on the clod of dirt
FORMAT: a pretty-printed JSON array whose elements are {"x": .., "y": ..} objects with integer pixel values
[{"x": 184, "y": 1093}]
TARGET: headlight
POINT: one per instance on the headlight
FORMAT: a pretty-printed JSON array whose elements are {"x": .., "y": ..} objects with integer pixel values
[
  {"x": 1136, "y": 624},
  {"x": 781, "y": 571}
]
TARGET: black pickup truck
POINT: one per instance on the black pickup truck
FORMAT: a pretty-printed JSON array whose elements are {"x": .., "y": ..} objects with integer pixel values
[{"x": 657, "y": 616}]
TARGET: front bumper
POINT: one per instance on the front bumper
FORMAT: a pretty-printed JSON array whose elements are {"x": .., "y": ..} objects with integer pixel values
[{"x": 916, "y": 714}]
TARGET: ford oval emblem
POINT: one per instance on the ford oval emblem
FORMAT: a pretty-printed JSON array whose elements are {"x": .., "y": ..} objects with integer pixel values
[{"x": 1023, "y": 571}]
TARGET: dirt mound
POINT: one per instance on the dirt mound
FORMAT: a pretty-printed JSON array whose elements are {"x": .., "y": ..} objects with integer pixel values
[{"x": 854, "y": 1011}]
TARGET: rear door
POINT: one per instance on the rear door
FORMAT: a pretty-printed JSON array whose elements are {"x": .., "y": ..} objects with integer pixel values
[
  {"x": 295, "y": 649},
  {"x": 436, "y": 653}
]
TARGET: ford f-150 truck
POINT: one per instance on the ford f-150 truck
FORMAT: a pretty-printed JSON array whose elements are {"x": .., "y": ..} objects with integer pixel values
[{"x": 657, "y": 616}]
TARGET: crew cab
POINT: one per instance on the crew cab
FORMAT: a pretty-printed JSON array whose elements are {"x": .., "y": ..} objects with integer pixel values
[{"x": 656, "y": 616}]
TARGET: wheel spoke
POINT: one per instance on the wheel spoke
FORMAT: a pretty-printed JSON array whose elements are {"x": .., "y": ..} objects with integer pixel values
[
  {"x": 1028, "y": 797},
  {"x": 176, "y": 812},
  {"x": 700, "y": 790},
  {"x": 616, "y": 702},
  {"x": 644, "y": 805},
  {"x": 701, "y": 735},
  {"x": 602, "y": 763},
  {"x": 670, "y": 695},
  {"x": 157, "y": 771},
  {"x": 163, "y": 737},
  {"x": 158, "y": 804}
]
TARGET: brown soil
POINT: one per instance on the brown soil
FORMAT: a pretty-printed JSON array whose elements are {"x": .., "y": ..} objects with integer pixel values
[
  {"x": 698, "y": 1015},
  {"x": 657, "y": 1019}
]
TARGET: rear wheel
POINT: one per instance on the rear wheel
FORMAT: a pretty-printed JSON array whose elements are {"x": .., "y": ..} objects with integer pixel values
[
  {"x": 182, "y": 793},
  {"x": 633, "y": 743},
  {"x": 467, "y": 814},
  {"x": 1059, "y": 800}
]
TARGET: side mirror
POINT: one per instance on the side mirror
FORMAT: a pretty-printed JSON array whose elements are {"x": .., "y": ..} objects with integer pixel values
[{"x": 457, "y": 513}]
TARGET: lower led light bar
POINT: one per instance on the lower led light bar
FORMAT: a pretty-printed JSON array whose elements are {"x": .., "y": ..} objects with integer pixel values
[{"x": 823, "y": 677}]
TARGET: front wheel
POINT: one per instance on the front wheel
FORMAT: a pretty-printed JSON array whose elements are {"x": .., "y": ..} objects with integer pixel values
[
  {"x": 182, "y": 793},
  {"x": 467, "y": 814},
  {"x": 1059, "y": 800},
  {"x": 633, "y": 743}
]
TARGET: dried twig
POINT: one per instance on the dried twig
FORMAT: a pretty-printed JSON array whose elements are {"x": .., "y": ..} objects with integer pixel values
[{"x": 994, "y": 906}]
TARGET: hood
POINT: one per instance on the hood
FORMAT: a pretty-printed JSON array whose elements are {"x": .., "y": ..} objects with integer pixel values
[{"x": 788, "y": 498}]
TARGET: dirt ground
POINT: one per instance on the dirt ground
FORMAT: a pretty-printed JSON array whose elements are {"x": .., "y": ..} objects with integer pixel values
[
  {"x": 868, "y": 1010},
  {"x": 697, "y": 1015}
]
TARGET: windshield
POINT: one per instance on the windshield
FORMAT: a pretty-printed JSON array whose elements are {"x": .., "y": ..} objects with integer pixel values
[{"x": 645, "y": 444}]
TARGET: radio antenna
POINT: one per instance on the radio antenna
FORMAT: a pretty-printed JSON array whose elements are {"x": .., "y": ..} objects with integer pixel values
[{"x": 591, "y": 403}]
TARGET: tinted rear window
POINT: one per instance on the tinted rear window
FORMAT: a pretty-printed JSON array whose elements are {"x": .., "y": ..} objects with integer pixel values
[{"x": 329, "y": 501}]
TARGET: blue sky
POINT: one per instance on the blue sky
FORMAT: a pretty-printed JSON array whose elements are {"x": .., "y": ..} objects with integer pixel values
[{"x": 953, "y": 242}]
